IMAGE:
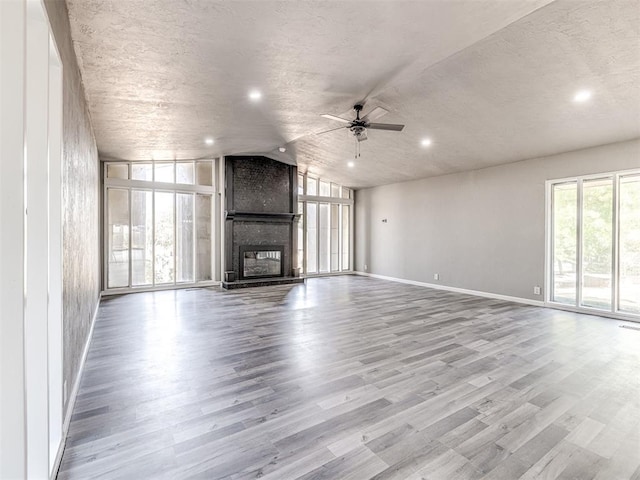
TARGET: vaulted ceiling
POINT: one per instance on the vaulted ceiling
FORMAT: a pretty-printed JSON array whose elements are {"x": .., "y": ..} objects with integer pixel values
[{"x": 487, "y": 81}]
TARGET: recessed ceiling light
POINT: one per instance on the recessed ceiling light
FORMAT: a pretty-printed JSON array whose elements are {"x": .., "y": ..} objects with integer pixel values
[
  {"x": 255, "y": 95},
  {"x": 582, "y": 96},
  {"x": 351, "y": 164},
  {"x": 209, "y": 141},
  {"x": 282, "y": 149},
  {"x": 425, "y": 142}
]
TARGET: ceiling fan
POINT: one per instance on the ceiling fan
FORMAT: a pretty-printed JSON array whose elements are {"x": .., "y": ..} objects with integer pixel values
[{"x": 359, "y": 126}]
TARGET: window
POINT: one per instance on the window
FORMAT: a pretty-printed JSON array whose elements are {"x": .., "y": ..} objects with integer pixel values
[
  {"x": 159, "y": 225},
  {"x": 324, "y": 229},
  {"x": 594, "y": 255}
]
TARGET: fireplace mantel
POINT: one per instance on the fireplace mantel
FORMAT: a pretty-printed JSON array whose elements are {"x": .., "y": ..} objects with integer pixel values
[{"x": 261, "y": 216}]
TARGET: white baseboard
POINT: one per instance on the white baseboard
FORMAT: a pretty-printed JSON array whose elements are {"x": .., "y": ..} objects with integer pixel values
[
  {"x": 477, "y": 293},
  {"x": 74, "y": 392}
]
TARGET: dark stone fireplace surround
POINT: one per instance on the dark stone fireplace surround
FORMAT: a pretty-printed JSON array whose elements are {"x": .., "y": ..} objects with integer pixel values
[{"x": 261, "y": 198}]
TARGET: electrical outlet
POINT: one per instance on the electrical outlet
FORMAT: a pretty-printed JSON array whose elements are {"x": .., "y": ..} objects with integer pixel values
[
  {"x": 436, "y": 276},
  {"x": 536, "y": 290},
  {"x": 365, "y": 267}
]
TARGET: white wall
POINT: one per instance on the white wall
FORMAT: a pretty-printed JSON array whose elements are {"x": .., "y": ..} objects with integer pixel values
[
  {"x": 30, "y": 254},
  {"x": 480, "y": 230},
  {"x": 13, "y": 436}
]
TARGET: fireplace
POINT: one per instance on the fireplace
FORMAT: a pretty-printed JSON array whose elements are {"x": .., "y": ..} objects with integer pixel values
[
  {"x": 261, "y": 222},
  {"x": 260, "y": 261}
]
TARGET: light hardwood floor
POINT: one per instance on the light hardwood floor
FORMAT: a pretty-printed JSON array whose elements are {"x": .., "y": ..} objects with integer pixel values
[{"x": 353, "y": 378}]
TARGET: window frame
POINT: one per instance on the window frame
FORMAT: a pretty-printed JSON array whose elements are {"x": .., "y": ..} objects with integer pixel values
[
  {"x": 341, "y": 201},
  {"x": 174, "y": 188},
  {"x": 614, "y": 310}
]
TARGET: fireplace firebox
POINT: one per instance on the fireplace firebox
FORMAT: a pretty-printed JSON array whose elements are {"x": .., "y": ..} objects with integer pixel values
[{"x": 261, "y": 261}]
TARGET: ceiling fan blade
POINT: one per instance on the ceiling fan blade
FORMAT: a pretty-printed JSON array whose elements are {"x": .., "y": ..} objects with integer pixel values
[
  {"x": 330, "y": 130},
  {"x": 375, "y": 113},
  {"x": 385, "y": 126},
  {"x": 333, "y": 117}
]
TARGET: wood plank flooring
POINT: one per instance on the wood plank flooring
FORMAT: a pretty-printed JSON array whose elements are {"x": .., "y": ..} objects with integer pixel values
[{"x": 353, "y": 378}]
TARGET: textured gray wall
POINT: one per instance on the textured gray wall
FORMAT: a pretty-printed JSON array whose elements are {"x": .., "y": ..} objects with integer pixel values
[
  {"x": 480, "y": 230},
  {"x": 80, "y": 200}
]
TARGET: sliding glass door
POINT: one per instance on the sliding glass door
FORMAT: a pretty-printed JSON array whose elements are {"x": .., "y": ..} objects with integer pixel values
[
  {"x": 629, "y": 244},
  {"x": 594, "y": 260}
]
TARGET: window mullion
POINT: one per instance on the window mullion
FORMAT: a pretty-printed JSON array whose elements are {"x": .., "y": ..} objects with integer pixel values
[
  {"x": 194, "y": 231},
  {"x": 579, "y": 229},
  {"x": 153, "y": 237},
  {"x": 130, "y": 239},
  {"x": 175, "y": 237},
  {"x": 615, "y": 267}
]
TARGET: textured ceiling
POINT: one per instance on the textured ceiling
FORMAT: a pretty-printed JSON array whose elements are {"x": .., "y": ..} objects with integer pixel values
[{"x": 489, "y": 81}]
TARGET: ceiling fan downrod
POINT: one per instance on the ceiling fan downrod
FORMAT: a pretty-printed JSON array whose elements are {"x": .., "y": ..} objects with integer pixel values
[{"x": 358, "y": 108}]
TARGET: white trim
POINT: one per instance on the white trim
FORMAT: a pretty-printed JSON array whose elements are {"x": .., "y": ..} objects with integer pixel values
[
  {"x": 13, "y": 451},
  {"x": 36, "y": 313},
  {"x": 323, "y": 199},
  {"x": 55, "y": 281},
  {"x": 548, "y": 252},
  {"x": 593, "y": 311},
  {"x": 593, "y": 176},
  {"x": 158, "y": 288},
  {"x": 477, "y": 293},
  {"x": 328, "y": 274},
  {"x": 74, "y": 392}
]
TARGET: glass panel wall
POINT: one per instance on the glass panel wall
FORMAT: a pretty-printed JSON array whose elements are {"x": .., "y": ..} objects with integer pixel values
[
  {"x": 335, "y": 237},
  {"x": 164, "y": 245},
  {"x": 118, "y": 237},
  {"x": 156, "y": 234},
  {"x": 312, "y": 186},
  {"x": 324, "y": 231},
  {"x": 325, "y": 191},
  {"x": 141, "y": 237},
  {"x": 204, "y": 173},
  {"x": 115, "y": 170},
  {"x": 203, "y": 245},
  {"x": 565, "y": 242},
  {"x": 164, "y": 172},
  {"x": 346, "y": 238},
  {"x": 629, "y": 238},
  {"x": 139, "y": 171},
  {"x": 185, "y": 173},
  {"x": 324, "y": 238},
  {"x": 184, "y": 237},
  {"x": 597, "y": 242},
  {"x": 312, "y": 237}
]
